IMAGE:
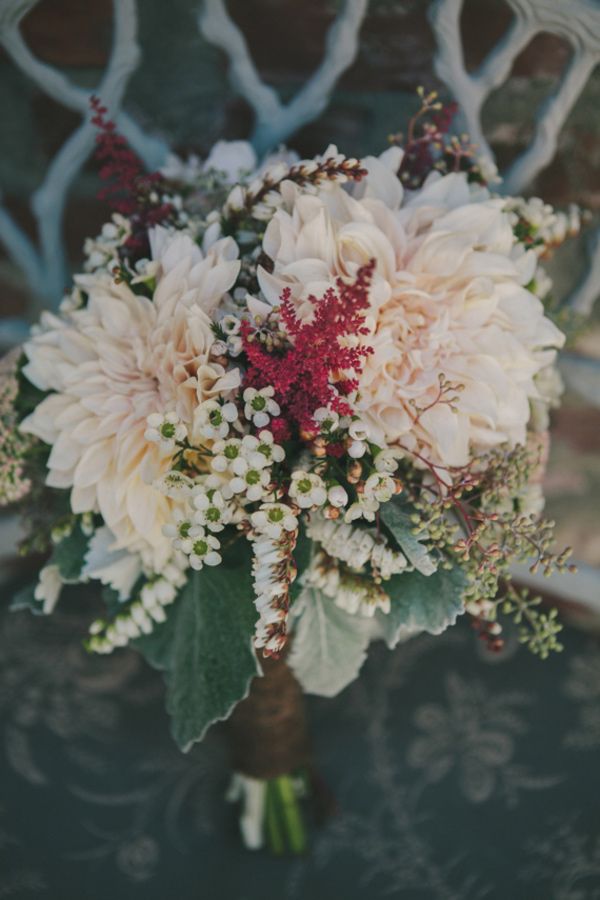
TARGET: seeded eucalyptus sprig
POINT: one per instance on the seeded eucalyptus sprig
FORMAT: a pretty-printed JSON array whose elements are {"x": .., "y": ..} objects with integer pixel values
[
  {"x": 538, "y": 630},
  {"x": 473, "y": 518}
]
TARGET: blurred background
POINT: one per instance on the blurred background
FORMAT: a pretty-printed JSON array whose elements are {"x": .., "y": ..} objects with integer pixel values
[{"x": 85, "y": 741}]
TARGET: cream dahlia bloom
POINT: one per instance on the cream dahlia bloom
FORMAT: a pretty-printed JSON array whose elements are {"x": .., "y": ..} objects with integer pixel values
[
  {"x": 111, "y": 364},
  {"x": 448, "y": 298}
]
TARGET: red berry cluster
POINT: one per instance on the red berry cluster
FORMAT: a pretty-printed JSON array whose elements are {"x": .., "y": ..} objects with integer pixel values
[{"x": 316, "y": 369}]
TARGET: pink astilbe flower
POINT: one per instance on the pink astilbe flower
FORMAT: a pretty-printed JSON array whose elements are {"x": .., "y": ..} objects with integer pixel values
[
  {"x": 128, "y": 189},
  {"x": 321, "y": 366}
]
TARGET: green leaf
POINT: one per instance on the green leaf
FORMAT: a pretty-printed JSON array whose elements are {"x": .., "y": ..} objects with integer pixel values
[
  {"x": 422, "y": 603},
  {"x": 205, "y": 647},
  {"x": 302, "y": 555},
  {"x": 28, "y": 395},
  {"x": 396, "y": 517},
  {"x": 69, "y": 554},
  {"x": 24, "y": 599},
  {"x": 329, "y": 645}
]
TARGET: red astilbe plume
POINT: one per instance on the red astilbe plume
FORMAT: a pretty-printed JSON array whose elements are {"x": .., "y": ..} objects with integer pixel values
[
  {"x": 128, "y": 189},
  {"x": 317, "y": 369}
]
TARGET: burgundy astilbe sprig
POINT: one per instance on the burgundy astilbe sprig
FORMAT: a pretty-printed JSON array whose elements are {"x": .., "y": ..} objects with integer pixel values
[
  {"x": 319, "y": 367},
  {"x": 423, "y": 148},
  {"x": 128, "y": 189}
]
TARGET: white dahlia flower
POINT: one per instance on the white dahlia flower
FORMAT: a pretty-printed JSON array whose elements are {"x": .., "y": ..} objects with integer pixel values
[
  {"x": 114, "y": 362},
  {"x": 448, "y": 299}
]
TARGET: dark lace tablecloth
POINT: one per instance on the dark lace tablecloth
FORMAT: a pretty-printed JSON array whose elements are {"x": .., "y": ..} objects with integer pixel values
[{"x": 458, "y": 776}]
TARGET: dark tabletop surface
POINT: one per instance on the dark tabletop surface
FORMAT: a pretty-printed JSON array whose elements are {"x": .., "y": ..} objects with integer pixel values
[{"x": 457, "y": 776}]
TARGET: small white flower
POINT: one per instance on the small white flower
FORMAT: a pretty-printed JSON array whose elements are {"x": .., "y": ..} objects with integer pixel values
[
  {"x": 273, "y": 519},
  {"x": 357, "y": 449},
  {"x": 226, "y": 453},
  {"x": 262, "y": 451},
  {"x": 337, "y": 496},
  {"x": 219, "y": 348},
  {"x": 230, "y": 325},
  {"x": 364, "y": 509},
  {"x": 260, "y": 406},
  {"x": 139, "y": 617},
  {"x": 179, "y": 531},
  {"x": 220, "y": 483},
  {"x": 307, "y": 490},
  {"x": 48, "y": 587},
  {"x": 387, "y": 460},
  {"x": 253, "y": 482},
  {"x": 235, "y": 345},
  {"x": 380, "y": 487},
  {"x": 358, "y": 597},
  {"x": 174, "y": 484},
  {"x": 212, "y": 511},
  {"x": 387, "y": 562},
  {"x": 212, "y": 420},
  {"x": 204, "y": 550},
  {"x": 327, "y": 419},
  {"x": 165, "y": 430},
  {"x": 358, "y": 431}
]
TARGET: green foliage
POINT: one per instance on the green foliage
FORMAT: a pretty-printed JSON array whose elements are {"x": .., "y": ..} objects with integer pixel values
[
  {"x": 396, "y": 517},
  {"x": 205, "y": 648},
  {"x": 429, "y": 603},
  {"x": 69, "y": 554},
  {"x": 537, "y": 629},
  {"x": 28, "y": 396},
  {"x": 24, "y": 599},
  {"x": 302, "y": 555},
  {"x": 329, "y": 645}
]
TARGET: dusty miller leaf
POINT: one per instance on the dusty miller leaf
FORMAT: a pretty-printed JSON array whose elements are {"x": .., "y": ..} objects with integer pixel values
[
  {"x": 329, "y": 645},
  {"x": 422, "y": 603},
  {"x": 205, "y": 648},
  {"x": 395, "y": 516}
]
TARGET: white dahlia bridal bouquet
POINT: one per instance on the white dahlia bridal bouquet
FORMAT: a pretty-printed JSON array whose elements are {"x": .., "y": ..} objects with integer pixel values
[{"x": 285, "y": 410}]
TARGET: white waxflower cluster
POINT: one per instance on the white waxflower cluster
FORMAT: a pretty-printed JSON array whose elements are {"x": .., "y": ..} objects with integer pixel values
[
  {"x": 241, "y": 474},
  {"x": 377, "y": 489},
  {"x": 353, "y": 593},
  {"x": 356, "y": 547},
  {"x": 140, "y": 617},
  {"x": 230, "y": 326},
  {"x": 103, "y": 250},
  {"x": 192, "y": 538},
  {"x": 551, "y": 226},
  {"x": 245, "y": 465}
]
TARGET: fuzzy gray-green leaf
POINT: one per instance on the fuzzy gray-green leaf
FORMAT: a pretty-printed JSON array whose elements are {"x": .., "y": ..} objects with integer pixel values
[
  {"x": 395, "y": 516},
  {"x": 206, "y": 650}
]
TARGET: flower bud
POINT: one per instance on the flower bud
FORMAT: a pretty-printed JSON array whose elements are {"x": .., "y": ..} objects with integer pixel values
[
  {"x": 337, "y": 495},
  {"x": 356, "y": 449}
]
